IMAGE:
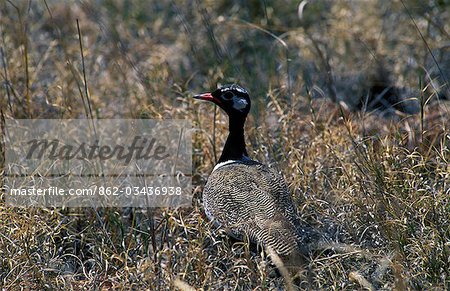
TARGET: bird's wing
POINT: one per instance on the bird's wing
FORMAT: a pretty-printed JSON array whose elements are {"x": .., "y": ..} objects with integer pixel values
[{"x": 253, "y": 200}]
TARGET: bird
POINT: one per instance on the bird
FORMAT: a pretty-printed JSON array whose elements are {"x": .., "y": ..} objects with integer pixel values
[{"x": 247, "y": 198}]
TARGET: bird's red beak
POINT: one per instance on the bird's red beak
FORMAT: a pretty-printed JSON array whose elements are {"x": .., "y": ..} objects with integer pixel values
[{"x": 208, "y": 97}]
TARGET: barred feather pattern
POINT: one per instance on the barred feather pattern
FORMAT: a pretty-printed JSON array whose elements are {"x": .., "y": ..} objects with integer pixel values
[{"x": 248, "y": 198}]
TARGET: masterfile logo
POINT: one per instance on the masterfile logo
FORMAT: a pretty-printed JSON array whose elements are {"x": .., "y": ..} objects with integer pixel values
[
  {"x": 55, "y": 149},
  {"x": 109, "y": 162}
]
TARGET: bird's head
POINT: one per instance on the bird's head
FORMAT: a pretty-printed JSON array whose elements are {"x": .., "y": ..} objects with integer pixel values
[{"x": 233, "y": 99}]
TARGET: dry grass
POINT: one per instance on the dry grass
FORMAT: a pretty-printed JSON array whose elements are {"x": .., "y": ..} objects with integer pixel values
[{"x": 378, "y": 182}]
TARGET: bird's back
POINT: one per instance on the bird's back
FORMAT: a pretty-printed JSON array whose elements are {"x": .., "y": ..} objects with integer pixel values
[{"x": 248, "y": 198}]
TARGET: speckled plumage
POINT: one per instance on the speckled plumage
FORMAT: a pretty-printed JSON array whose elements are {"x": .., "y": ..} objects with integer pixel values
[{"x": 248, "y": 198}]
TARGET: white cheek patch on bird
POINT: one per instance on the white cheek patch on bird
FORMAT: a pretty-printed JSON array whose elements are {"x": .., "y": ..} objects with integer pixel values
[
  {"x": 239, "y": 103},
  {"x": 239, "y": 89}
]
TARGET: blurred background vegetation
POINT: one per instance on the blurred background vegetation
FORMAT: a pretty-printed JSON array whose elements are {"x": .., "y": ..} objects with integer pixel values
[
  {"x": 348, "y": 51},
  {"x": 350, "y": 100}
]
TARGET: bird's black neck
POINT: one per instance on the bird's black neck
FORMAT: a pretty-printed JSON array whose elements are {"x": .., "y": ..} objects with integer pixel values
[{"x": 234, "y": 148}]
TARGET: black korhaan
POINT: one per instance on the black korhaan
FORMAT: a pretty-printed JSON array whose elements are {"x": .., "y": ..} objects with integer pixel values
[{"x": 246, "y": 197}]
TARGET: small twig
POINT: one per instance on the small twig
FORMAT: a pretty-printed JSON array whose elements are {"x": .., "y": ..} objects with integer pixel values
[
  {"x": 279, "y": 40},
  {"x": 216, "y": 46},
  {"x": 422, "y": 109},
  {"x": 89, "y": 114},
  {"x": 178, "y": 283},
  {"x": 281, "y": 267},
  {"x": 363, "y": 282},
  {"x": 426, "y": 45},
  {"x": 76, "y": 75},
  {"x": 86, "y": 91},
  {"x": 326, "y": 64},
  {"x": 48, "y": 9},
  {"x": 379, "y": 98},
  {"x": 7, "y": 84},
  {"x": 23, "y": 35},
  {"x": 2, "y": 144}
]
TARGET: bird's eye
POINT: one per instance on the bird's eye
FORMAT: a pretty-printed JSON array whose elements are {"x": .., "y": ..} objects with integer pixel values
[{"x": 228, "y": 96}]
